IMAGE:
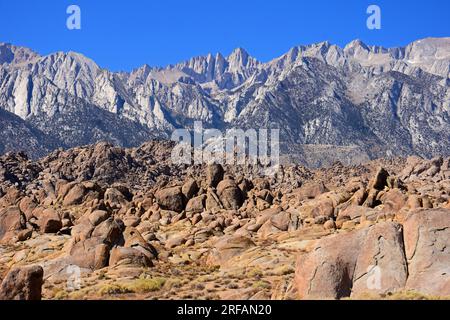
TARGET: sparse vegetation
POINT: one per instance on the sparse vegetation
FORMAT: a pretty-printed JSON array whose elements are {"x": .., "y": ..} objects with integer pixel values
[
  {"x": 261, "y": 285},
  {"x": 111, "y": 289},
  {"x": 401, "y": 295},
  {"x": 146, "y": 285},
  {"x": 283, "y": 270},
  {"x": 61, "y": 295},
  {"x": 255, "y": 273}
]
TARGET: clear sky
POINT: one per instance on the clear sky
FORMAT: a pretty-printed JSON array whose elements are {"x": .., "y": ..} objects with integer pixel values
[{"x": 122, "y": 35}]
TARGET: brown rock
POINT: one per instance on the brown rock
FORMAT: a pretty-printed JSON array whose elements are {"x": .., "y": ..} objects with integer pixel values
[
  {"x": 371, "y": 200},
  {"x": 426, "y": 202},
  {"x": 11, "y": 198},
  {"x": 75, "y": 195},
  {"x": 379, "y": 181},
  {"x": 12, "y": 220},
  {"x": 176, "y": 242},
  {"x": 267, "y": 230},
  {"x": 337, "y": 263},
  {"x": 329, "y": 225},
  {"x": 197, "y": 204},
  {"x": 101, "y": 256},
  {"x": 327, "y": 271},
  {"x": 245, "y": 185},
  {"x": 22, "y": 283},
  {"x": 27, "y": 205},
  {"x": 316, "y": 208},
  {"x": 311, "y": 191},
  {"x": 359, "y": 197},
  {"x": 190, "y": 188},
  {"x": 82, "y": 231},
  {"x": 115, "y": 198},
  {"x": 171, "y": 199},
  {"x": 98, "y": 216},
  {"x": 228, "y": 247},
  {"x": 230, "y": 195},
  {"x": 89, "y": 253},
  {"x": 341, "y": 220},
  {"x": 358, "y": 212},
  {"x": 131, "y": 221},
  {"x": 427, "y": 234},
  {"x": 281, "y": 221},
  {"x": 134, "y": 239},
  {"x": 261, "y": 184},
  {"x": 109, "y": 231},
  {"x": 128, "y": 256},
  {"x": 213, "y": 203},
  {"x": 414, "y": 202},
  {"x": 147, "y": 201},
  {"x": 393, "y": 200},
  {"x": 263, "y": 217},
  {"x": 214, "y": 174},
  {"x": 265, "y": 195},
  {"x": 381, "y": 267},
  {"x": 49, "y": 221}
]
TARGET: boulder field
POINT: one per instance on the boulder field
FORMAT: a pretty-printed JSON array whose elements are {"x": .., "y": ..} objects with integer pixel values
[{"x": 101, "y": 222}]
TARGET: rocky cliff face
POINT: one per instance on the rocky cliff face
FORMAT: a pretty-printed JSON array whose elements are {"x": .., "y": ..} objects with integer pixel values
[{"x": 332, "y": 103}]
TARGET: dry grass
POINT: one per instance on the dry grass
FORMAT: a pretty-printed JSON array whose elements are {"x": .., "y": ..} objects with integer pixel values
[
  {"x": 401, "y": 295},
  {"x": 112, "y": 289},
  {"x": 284, "y": 270},
  {"x": 141, "y": 285},
  {"x": 146, "y": 285},
  {"x": 261, "y": 285},
  {"x": 255, "y": 273}
]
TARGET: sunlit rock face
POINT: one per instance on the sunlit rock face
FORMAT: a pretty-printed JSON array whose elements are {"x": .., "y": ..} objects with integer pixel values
[{"x": 349, "y": 104}]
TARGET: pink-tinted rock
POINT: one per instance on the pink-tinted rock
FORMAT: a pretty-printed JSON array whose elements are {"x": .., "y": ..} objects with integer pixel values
[{"x": 427, "y": 244}]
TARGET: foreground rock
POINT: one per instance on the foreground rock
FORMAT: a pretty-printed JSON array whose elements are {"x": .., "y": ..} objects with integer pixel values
[
  {"x": 376, "y": 261},
  {"x": 342, "y": 265},
  {"x": 427, "y": 238},
  {"x": 22, "y": 283}
]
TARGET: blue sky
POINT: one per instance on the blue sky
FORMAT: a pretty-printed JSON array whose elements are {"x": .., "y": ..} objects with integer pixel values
[{"x": 122, "y": 35}]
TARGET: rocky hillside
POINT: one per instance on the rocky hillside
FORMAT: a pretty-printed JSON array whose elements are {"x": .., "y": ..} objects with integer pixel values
[
  {"x": 101, "y": 222},
  {"x": 350, "y": 104}
]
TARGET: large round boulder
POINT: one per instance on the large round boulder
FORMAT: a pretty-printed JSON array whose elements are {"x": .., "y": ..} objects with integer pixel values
[{"x": 171, "y": 199}]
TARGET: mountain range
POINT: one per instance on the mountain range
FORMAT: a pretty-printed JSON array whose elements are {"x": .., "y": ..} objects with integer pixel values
[{"x": 330, "y": 103}]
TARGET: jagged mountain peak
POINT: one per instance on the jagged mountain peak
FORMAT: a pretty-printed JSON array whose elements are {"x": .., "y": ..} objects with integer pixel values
[
  {"x": 239, "y": 59},
  {"x": 72, "y": 61},
  {"x": 355, "y": 46},
  {"x": 11, "y": 54},
  {"x": 317, "y": 94},
  {"x": 239, "y": 53}
]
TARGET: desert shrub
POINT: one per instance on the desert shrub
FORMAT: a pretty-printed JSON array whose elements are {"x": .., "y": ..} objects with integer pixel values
[
  {"x": 261, "y": 285},
  {"x": 146, "y": 285},
  {"x": 110, "y": 289}
]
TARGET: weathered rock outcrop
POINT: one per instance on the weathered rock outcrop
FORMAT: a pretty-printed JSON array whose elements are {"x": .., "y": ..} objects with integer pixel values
[
  {"x": 380, "y": 260},
  {"x": 22, "y": 283},
  {"x": 427, "y": 239}
]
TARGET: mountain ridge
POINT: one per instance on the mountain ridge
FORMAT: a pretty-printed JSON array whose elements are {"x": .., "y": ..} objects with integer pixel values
[{"x": 319, "y": 94}]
